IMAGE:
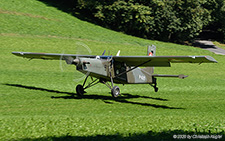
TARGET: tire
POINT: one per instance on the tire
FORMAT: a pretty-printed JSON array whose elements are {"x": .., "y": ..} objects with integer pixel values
[
  {"x": 80, "y": 90},
  {"x": 115, "y": 91},
  {"x": 156, "y": 89}
]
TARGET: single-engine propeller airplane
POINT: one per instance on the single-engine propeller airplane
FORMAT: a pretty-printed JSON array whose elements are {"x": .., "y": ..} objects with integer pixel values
[{"x": 119, "y": 69}]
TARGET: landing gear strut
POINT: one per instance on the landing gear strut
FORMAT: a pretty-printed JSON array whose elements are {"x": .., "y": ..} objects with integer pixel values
[
  {"x": 154, "y": 85},
  {"x": 115, "y": 90},
  {"x": 80, "y": 89}
]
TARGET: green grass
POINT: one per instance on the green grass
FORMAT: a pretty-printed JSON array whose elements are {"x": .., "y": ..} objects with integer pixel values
[
  {"x": 35, "y": 96},
  {"x": 221, "y": 45}
]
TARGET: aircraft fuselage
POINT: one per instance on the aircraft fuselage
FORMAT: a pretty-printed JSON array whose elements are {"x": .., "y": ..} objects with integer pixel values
[{"x": 119, "y": 71}]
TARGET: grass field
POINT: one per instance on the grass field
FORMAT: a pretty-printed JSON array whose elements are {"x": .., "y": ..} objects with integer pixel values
[{"x": 35, "y": 96}]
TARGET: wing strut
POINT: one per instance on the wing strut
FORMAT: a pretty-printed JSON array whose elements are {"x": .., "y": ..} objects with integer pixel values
[{"x": 132, "y": 68}]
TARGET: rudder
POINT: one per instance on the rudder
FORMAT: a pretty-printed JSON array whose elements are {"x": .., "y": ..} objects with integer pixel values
[{"x": 151, "y": 51}]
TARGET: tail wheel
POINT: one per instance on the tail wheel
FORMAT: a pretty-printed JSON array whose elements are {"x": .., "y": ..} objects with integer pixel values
[
  {"x": 156, "y": 89},
  {"x": 115, "y": 91},
  {"x": 80, "y": 90}
]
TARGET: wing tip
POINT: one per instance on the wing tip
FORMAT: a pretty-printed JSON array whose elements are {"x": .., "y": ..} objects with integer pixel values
[
  {"x": 211, "y": 59},
  {"x": 182, "y": 76},
  {"x": 18, "y": 53}
]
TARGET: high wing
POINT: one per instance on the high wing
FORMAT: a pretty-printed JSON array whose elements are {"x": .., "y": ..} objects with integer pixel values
[
  {"x": 152, "y": 61},
  {"x": 49, "y": 56},
  {"x": 162, "y": 61}
]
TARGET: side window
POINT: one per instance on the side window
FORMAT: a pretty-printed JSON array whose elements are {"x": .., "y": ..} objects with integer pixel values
[
  {"x": 84, "y": 66},
  {"x": 120, "y": 67}
]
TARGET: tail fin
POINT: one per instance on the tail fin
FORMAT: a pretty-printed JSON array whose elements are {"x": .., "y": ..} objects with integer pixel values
[{"x": 151, "y": 50}]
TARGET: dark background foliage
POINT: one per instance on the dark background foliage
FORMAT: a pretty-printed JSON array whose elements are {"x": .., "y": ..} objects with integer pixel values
[{"x": 172, "y": 21}]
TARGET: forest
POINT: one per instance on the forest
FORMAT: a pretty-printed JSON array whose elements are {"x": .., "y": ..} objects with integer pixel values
[{"x": 176, "y": 21}]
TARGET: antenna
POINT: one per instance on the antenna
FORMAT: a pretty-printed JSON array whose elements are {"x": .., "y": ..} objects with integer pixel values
[{"x": 118, "y": 53}]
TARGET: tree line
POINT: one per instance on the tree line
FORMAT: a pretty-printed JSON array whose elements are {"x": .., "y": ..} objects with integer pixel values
[{"x": 165, "y": 20}]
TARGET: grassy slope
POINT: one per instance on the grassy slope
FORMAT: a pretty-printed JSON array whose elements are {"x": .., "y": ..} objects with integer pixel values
[
  {"x": 34, "y": 94},
  {"x": 219, "y": 45}
]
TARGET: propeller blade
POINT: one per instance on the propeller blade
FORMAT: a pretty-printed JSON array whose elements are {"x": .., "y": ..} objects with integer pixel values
[{"x": 69, "y": 60}]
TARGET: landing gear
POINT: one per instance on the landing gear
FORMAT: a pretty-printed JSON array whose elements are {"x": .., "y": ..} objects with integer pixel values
[
  {"x": 115, "y": 91},
  {"x": 154, "y": 85},
  {"x": 156, "y": 89},
  {"x": 80, "y": 90}
]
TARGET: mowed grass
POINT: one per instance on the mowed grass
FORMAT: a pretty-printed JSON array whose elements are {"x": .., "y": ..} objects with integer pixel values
[{"x": 35, "y": 96}]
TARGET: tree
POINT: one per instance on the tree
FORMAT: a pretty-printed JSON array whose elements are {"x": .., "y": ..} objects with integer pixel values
[{"x": 174, "y": 20}]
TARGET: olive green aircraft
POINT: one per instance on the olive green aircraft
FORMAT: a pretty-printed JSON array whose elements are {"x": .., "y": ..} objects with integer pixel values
[{"x": 119, "y": 69}]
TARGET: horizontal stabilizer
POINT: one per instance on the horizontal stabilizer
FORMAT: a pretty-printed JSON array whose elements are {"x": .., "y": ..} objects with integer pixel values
[{"x": 181, "y": 76}]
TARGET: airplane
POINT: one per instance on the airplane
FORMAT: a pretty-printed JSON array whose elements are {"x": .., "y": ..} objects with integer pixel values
[{"x": 119, "y": 69}]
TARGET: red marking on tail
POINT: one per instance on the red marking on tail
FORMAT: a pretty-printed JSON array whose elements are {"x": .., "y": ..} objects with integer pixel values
[{"x": 150, "y": 54}]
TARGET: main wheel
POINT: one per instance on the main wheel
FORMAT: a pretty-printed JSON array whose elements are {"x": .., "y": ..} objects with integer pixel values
[
  {"x": 115, "y": 91},
  {"x": 80, "y": 90}
]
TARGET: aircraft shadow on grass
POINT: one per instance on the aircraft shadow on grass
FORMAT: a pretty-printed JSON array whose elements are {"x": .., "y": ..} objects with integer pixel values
[
  {"x": 150, "y": 135},
  {"x": 106, "y": 99}
]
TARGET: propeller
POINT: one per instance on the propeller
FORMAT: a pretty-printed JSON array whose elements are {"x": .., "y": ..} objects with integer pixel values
[{"x": 81, "y": 49}]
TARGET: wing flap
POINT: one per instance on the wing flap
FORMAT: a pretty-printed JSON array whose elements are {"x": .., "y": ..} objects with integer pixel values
[{"x": 162, "y": 61}]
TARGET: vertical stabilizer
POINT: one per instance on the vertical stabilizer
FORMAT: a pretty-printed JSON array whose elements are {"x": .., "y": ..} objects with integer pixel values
[{"x": 151, "y": 50}]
